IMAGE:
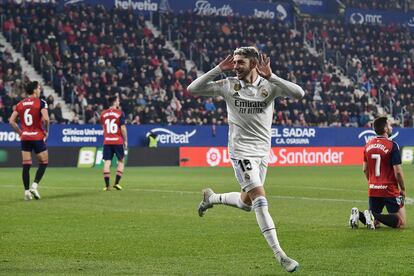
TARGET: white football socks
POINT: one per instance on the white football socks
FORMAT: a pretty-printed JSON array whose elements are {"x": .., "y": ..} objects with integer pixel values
[
  {"x": 266, "y": 224},
  {"x": 230, "y": 199}
]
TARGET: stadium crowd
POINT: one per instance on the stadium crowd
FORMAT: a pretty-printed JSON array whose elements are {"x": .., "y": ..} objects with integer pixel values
[
  {"x": 378, "y": 4},
  {"x": 89, "y": 53},
  {"x": 377, "y": 58},
  {"x": 11, "y": 84},
  {"x": 364, "y": 4}
]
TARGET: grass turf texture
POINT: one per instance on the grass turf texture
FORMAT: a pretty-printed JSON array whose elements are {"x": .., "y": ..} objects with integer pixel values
[{"x": 152, "y": 227}]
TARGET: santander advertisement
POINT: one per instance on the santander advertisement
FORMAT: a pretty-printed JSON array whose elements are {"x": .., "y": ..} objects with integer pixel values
[{"x": 279, "y": 156}]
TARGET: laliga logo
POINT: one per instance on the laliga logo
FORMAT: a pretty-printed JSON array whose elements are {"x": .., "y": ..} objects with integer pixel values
[
  {"x": 357, "y": 18},
  {"x": 213, "y": 157},
  {"x": 166, "y": 136},
  {"x": 368, "y": 137}
]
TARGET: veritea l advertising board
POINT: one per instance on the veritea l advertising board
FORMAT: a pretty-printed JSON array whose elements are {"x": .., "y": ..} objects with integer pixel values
[{"x": 203, "y": 136}]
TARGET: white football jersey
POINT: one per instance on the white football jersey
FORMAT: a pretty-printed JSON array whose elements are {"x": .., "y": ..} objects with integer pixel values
[{"x": 250, "y": 109}]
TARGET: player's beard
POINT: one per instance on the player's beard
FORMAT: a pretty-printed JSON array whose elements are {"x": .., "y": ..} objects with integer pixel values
[{"x": 241, "y": 74}]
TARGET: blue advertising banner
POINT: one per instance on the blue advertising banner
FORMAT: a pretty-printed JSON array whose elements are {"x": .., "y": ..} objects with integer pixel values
[
  {"x": 359, "y": 16},
  {"x": 317, "y": 6},
  {"x": 199, "y": 136},
  {"x": 272, "y": 11}
]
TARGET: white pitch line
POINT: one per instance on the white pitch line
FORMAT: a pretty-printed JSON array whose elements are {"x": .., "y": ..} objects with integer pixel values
[
  {"x": 193, "y": 192},
  {"x": 327, "y": 189}
]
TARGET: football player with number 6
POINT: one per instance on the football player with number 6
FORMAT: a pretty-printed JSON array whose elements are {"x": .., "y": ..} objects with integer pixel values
[{"x": 33, "y": 132}]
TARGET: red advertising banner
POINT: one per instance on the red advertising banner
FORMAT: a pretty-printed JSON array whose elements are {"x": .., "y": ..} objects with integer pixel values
[{"x": 279, "y": 156}]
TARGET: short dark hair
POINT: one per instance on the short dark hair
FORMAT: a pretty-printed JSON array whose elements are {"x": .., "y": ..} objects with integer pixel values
[
  {"x": 112, "y": 99},
  {"x": 248, "y": 52},
  {"x": 31, "y": 86},
  {"x": 379, "y": 125}
]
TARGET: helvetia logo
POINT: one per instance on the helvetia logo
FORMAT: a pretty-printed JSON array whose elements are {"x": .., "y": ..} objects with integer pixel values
[
  {"x": 213, "y": 157},
  {"x": 145, "y": 5},
  {"x": 166, "y": 136}
]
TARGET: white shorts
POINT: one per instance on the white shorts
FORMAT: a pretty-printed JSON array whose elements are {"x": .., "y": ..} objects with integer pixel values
[{"x": 250, "y": 173}]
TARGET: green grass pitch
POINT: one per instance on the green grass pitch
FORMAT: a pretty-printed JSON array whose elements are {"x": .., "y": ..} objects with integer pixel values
[{"x": 152, "y": 227}]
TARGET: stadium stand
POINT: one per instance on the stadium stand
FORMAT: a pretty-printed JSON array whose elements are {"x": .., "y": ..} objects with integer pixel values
[
  {"x": 377, "y": 4},
  {"x": 377, "y": 58},
  {"x": 11, "y": 84}
]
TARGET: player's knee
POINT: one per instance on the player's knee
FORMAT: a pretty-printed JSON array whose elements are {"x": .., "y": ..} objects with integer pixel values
[
  {"x": 256, "y": 192},
  {"x": 259, "y": 202},
  {"x": 401, "y": 222},
  {"x": 244, "y": 206}
]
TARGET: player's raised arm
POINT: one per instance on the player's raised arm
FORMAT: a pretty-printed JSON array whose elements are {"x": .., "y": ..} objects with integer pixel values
[
  {"x": 282, "y": 87},
  {"x": 13, "y": 122},
  {"x": 204, "y": 85}
]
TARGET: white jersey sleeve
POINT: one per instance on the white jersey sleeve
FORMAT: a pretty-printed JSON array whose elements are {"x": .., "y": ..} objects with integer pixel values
[
  {"x": 284, "y": 88},
  {"x": 250, "y": 109},
  {"x": 205, "y": 86}
]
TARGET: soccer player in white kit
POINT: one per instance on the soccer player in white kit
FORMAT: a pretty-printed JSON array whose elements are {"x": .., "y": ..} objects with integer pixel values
[{"x": 250, "y": 104}]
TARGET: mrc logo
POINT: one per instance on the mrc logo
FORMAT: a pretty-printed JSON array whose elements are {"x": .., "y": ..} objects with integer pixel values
[{"x": 359, "y": 18}]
